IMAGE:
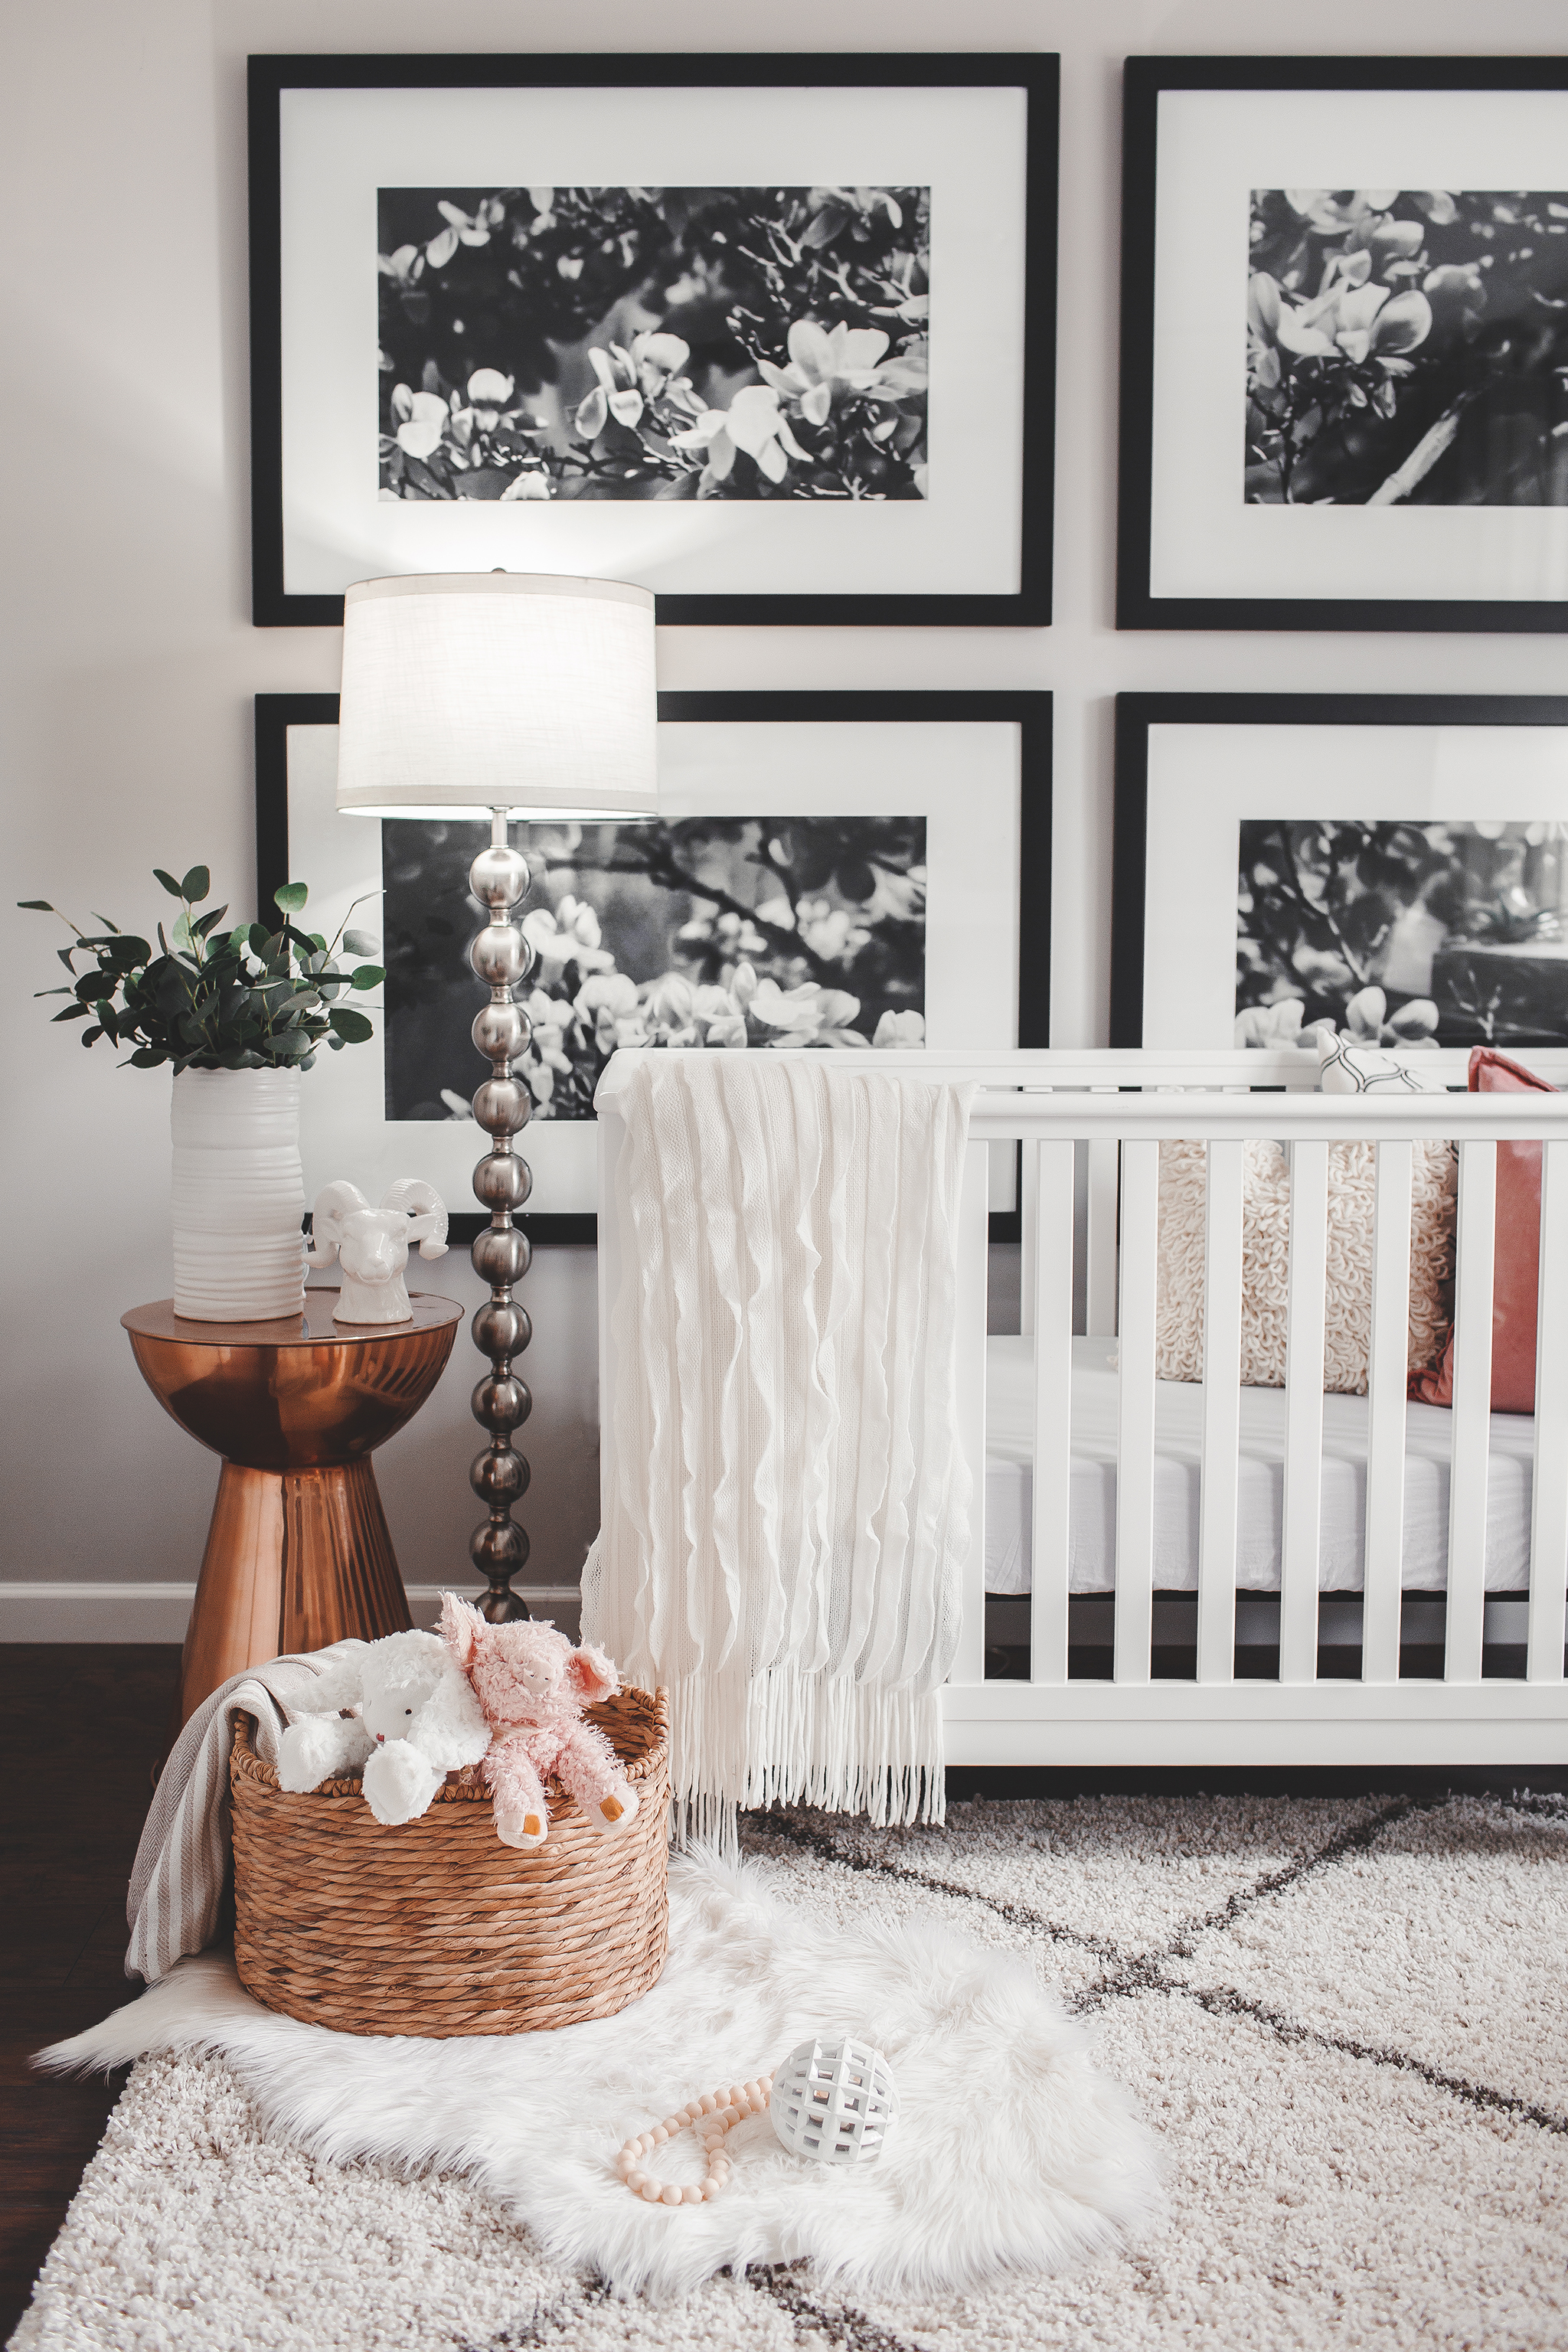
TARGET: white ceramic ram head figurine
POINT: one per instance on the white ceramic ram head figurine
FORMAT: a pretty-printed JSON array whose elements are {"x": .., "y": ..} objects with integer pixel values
[{"x": 371, "y": 1246}]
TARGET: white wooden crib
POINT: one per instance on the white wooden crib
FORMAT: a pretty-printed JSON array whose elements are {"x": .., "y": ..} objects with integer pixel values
[{"x": 1090, "y": 1125}]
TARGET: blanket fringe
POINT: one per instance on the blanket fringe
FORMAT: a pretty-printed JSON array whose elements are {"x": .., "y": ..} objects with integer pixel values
[{"x": 789, "y": 1737}]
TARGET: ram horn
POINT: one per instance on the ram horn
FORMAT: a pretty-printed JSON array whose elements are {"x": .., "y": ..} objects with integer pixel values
[
  {"x": 426, "y": 1212},
  {"x": 334, "y": 1203}
]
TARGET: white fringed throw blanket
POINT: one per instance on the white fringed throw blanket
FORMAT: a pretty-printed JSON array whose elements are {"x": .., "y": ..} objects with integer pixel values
[{"x": 786, "y": 1512}]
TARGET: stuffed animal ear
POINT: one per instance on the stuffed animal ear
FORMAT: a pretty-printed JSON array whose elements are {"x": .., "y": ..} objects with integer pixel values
[
  {"x": 461, "y": 1626},
  {"x": 591, "y": 1675}
]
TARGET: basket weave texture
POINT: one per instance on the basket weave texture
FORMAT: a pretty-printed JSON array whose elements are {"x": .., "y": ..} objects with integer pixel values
[{"x": 435, "y": 1928}]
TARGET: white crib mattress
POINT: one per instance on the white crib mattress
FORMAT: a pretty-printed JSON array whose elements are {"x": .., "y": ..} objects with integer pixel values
[{"x": 1009, "y": 1483}]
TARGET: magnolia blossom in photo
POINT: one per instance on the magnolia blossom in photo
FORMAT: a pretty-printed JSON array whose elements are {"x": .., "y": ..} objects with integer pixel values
[
  {"x": 655, "y": 344},
  {"x": 1407, "y": 347}
]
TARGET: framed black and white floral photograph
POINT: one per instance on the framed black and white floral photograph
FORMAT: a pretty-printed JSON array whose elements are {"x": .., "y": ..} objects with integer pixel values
[
  {"x": 1344, "y": 406},
  {"x": 772, "y": 337},
  {"x": 852, "y": 872},
  {"x": 1395, "y": 866}
]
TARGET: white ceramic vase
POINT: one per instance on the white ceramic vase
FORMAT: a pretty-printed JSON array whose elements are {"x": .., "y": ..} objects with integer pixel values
[{"x": 238, "y": 1195}]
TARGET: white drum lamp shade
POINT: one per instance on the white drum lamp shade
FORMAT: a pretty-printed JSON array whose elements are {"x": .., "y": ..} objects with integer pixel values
[{"x": 477, "y": 691}]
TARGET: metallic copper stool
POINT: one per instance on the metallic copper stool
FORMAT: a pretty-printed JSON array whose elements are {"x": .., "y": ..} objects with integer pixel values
[{"x": 299, "y": 1553}]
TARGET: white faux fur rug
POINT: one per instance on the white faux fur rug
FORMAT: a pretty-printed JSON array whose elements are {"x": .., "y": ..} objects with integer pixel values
[
  {"x": 1011, "y": 2151},
  {"x": 1346, "y": 2019}
]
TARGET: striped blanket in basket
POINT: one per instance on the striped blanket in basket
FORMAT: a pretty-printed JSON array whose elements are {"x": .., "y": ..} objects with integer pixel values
[{"x": 176, "y": 1882}]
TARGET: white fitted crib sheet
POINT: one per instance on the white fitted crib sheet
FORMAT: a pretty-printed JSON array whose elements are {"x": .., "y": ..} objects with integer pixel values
[{"x": 1178, "y": 1422}]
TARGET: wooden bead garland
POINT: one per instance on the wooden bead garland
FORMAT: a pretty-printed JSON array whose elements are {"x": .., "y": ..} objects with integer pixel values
[{"x": 713, "y": 2114}]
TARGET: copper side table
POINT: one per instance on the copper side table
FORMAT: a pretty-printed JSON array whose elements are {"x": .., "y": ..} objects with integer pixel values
[{"x": 298, "y": 1553}]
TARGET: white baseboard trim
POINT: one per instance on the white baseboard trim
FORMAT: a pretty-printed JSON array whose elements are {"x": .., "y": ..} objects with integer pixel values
[{"x": 158, "y": 1613}]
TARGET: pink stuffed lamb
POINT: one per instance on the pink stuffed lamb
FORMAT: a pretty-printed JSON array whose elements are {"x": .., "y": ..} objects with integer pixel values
[{"x": 533, "y": 1685}]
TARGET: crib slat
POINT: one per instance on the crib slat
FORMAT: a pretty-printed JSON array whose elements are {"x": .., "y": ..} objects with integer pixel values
[
  {"x": 1104, "y": 1185},
  {"x": 1303, "y": 1500},
  {"x": 1135, "y": 1417},
  {"x": 1387, "y": 1363},
  {"x": 1029, "y": 1235},
  {"x": 1475, "y": 1238},
  {"x": 969, "y": 1369},
  {"x": 1222, "y": 1414},
  {"x": 1051, "y": 1168},
  {"x": 1548, "y": 1524}
]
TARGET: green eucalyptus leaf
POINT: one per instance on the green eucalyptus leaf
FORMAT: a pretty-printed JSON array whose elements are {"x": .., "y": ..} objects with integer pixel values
[
  {"x": 336, "y": 1044},
  {"x": 197, "y": 884},
  {"x": 52, "y": 992},
  {"x": 38, "y": 905},
  {"x": 146, "y": 1058},
  {"x": 360, "y": 943},
  {"x": 291, "y": 897},
  {"x": 88, "y": 1035},
  {"x": 73, "y": 1013},
  {"x": 209, "y": 922},
  {"x": 168, "y": 881},
  {"x": 107, "y": 920},
  {"x": 350, "y": 1026},
  {"x": 369, "y": 976}
]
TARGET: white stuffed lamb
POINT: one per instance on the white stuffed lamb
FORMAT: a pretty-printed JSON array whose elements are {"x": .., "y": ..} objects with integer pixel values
[{"x": 414, "y": 1720}]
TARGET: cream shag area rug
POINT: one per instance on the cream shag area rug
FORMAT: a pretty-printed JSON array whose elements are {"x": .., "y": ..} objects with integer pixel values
[{"x": 1346, "y": 2021}]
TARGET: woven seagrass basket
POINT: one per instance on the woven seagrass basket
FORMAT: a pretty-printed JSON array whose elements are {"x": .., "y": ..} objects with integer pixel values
[{"x": 435, "y": 1927}]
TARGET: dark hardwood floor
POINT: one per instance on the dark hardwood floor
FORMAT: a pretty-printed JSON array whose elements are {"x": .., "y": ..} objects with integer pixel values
[{"x": 83, "y": 1726}]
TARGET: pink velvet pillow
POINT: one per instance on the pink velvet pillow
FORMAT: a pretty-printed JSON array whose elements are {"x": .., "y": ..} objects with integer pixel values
[{"x": 1516, "y": 1261}]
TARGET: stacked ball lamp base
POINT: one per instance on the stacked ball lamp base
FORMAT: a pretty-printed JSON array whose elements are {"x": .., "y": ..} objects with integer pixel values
[{"x": 832, "y": 2101}]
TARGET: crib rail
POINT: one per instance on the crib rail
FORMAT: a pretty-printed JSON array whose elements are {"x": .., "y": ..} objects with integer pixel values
[{"x": 1090, "y": 1129}]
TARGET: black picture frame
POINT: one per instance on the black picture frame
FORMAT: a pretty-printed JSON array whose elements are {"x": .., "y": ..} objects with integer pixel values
[
  {"x": 1038, "y": 73},
  {"x": 1145, "y": 79},
  {"x": 1136, "y": 714},
  {"x": 1027, "y": 708}
]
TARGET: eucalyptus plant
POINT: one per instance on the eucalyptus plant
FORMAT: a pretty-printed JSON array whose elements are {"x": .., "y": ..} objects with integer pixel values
[{"x": 244, "y": 999}]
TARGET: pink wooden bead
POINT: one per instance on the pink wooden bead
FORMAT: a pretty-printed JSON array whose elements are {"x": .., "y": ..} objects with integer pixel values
[
  {"x": 707, "y": 2102},
  {"x": 691, "y": 2195},
  {"x": 710, "y": 2190},
  {"x": 653, "y": 2190},
  {"x": 673, "y": 2124},
  {"x": 672, "y": 2194},
  {"x": 637, "y": 2180},
  {"x": 734, "y": 2095},
  {"x": 658, "y": 2135}
]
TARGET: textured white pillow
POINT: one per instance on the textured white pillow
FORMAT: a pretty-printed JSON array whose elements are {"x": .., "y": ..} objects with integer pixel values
[
  {"x": 1266, "y": 1253},
  {"x": 1346, "y": 1068}
]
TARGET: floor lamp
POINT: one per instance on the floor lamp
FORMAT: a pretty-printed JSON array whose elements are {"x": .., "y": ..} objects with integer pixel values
[{"x": 504, "y": 695}]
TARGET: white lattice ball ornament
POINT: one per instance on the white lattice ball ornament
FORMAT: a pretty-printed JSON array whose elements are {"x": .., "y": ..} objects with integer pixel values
[{"x": 834, "y": 2101}]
